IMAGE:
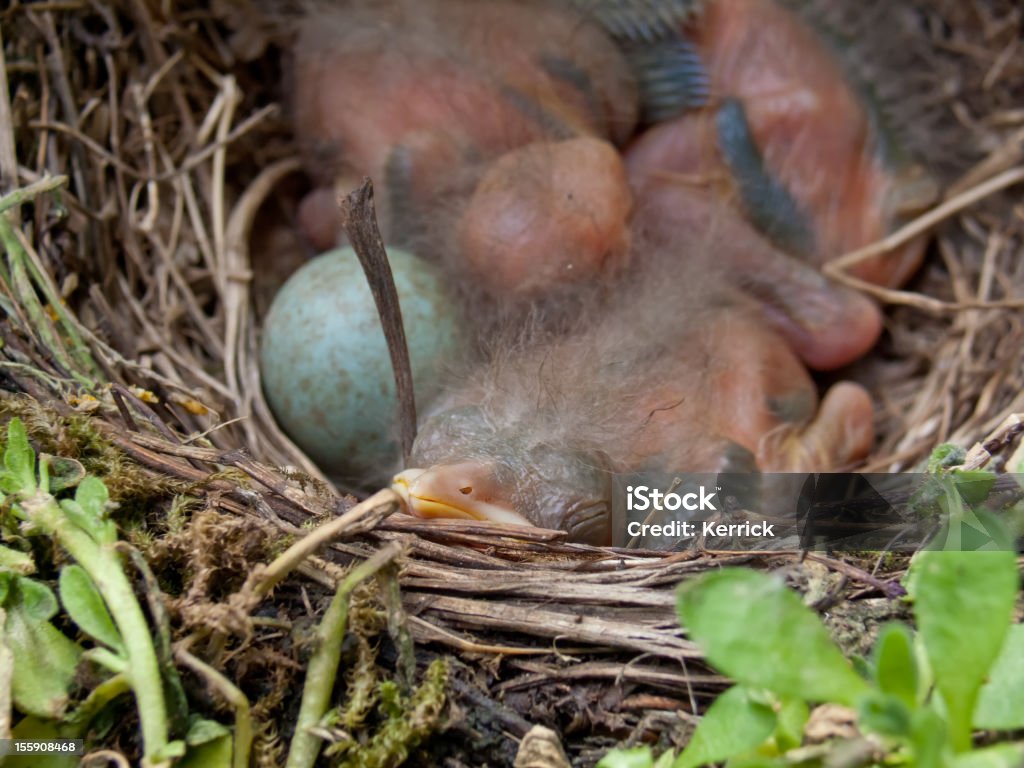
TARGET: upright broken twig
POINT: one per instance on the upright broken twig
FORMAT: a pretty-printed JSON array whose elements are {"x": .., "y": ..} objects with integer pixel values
[{"x": 359, "y": 219}]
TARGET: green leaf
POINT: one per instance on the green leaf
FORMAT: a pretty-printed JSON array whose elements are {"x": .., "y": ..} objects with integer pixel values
[
  {"x": 1001, "y": 700},
  {"x": 792, "y": 719},
  {"x": 638, "y": 757},
  {"x": 167, "y": 752},
  {"x": 997, "y": 756},
  {"x": 32, "y": 729},
  {"x": 85, "y": 606},
  {"x": 16, "y": 560},
  {"x": 19, "y": 460},
  {"x": 968, "y": 526},
  {"x": 885, "y": 715},
  {"x": 216, "y": 754},
  {"x": 211, "y": 754},
  {"x": 928, "y": 739},
  {"x": 759, "y": 761},
  {"x": 963, "y": 605},
  {"x": 64, "y": 473},
  {"x": 201, "y": 731},
  {"x": 760, "y": 634},
  {"x": 895, "y": 664},
  {"x": 36, "y": 599},
  {"x": 46, "y": 662},
  {"x": 88, "y": 511},
  {"x": 666, "y": 760},
  {"x": 944, "y": 456},
  {"x": 974, "y": 486},
  {"x": 105, "y": 658},
  {"x": 734, "y": 724},
  {"x": 74, "y": 512},
  {"x": 92, "y": 495},
  {"x": 862, "y": 667},
  {"x": 101, "y": 532}
]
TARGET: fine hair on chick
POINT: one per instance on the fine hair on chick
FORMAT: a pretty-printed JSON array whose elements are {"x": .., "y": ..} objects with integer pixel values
[
  {"x": 674, "y": 370},
  {"x": 571, "y": 374}
]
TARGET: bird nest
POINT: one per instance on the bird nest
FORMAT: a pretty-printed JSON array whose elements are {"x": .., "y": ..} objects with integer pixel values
[{"x": 143, "y": 146}]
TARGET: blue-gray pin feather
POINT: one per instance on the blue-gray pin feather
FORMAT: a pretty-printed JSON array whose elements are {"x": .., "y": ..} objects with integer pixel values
[
  {"x": 640, "y": 20},
  {"x": 668, "y": 69},
  {"x": 770, "y": 206}
]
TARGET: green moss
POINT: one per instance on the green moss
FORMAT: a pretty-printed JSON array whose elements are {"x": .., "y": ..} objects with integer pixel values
[
  {"x": 137, "y": 491},
  {"x": 409, "y": 720}
]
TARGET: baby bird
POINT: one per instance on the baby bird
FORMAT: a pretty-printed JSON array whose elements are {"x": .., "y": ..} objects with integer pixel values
[
  {"x": 679, "y": 373},
  {"x": 789, "y": 137},
  {"x": 492, "y": 130},
  {"x": 826, "y": 324},
  {"x": 489, "y": 129}
]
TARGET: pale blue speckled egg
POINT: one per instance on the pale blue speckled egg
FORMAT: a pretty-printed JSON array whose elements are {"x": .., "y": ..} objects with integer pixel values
[{"x": 325, "y": 365}]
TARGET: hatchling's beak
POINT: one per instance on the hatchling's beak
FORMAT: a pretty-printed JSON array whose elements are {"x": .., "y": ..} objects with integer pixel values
[{"x": 466, "y": 490}]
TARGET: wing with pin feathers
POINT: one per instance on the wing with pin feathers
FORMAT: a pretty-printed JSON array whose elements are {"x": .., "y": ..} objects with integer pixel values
[
  {"x": 792, "y": 137},
  {"x": 670, "y": 75},
  {"x": 641, "y": 20}
]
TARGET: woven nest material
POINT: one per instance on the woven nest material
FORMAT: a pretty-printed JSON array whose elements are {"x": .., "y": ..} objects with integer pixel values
[{"x": 141, "y": 146}]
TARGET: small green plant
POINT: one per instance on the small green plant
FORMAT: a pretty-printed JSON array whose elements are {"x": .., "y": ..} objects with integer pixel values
[
  {"x": 918, "y": 700},
  {"x": 95, "y": 592},
  {"x": 49, "y": 504}
]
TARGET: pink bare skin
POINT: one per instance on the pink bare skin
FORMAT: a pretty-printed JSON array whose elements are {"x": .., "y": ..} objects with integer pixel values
[
  {"x": 815, "y": 134},
  {"x": 548, "y": 214},
  {"x": 679, "y": 373},
  {"x": 487, "y": 160},
  {"x": 435, "y": 97},
  {"x": 826, "y": 324},
  {"x": 754, "y": 393}
]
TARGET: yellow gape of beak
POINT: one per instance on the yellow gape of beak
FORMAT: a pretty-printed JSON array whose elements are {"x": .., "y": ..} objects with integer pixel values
[{"x": 465, "y": 491}]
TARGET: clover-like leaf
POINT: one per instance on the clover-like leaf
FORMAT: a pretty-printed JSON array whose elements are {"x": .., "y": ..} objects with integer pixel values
[
  {"x": 85, "y": 606},
  {"x": 761, "y": 634},
  {"x": 734, "y": 724}
]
